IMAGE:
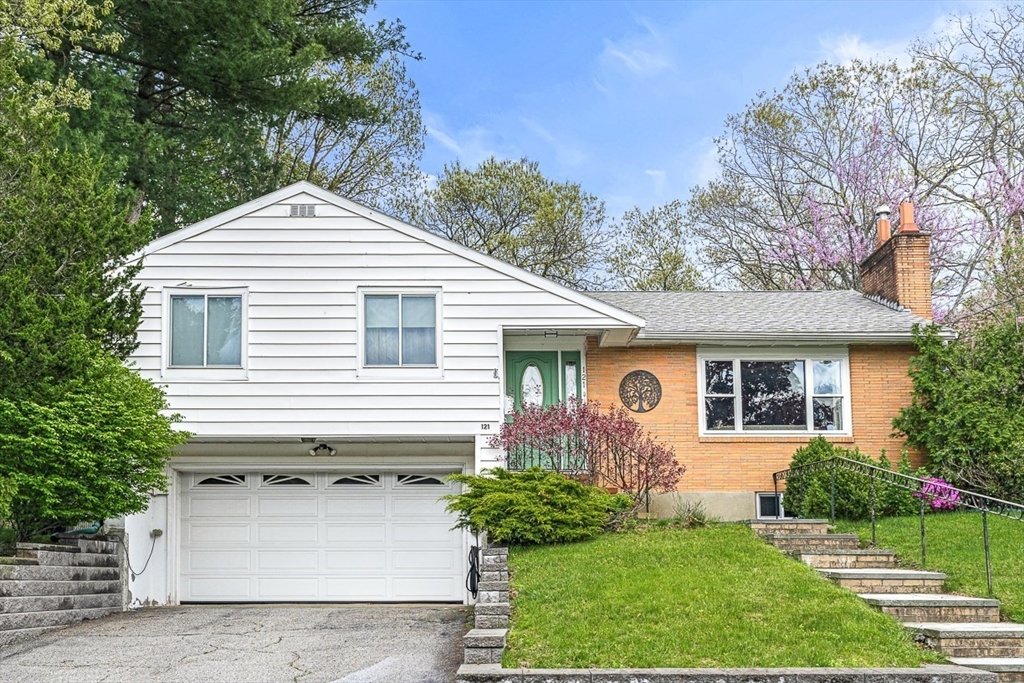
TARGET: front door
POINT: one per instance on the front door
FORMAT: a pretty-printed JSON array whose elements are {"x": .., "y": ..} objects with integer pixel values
[
  {"x": 532, "y": 378},
  {"x": 540, "y": 378}
]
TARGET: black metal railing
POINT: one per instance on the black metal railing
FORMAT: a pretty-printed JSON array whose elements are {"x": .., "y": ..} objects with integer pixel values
[{"x": 923, "y": 489}]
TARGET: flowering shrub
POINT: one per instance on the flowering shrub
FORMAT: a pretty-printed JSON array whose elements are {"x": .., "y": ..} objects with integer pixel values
[
  {"x": 603, "y": 448},
  {"x": 938, "y": 494}
]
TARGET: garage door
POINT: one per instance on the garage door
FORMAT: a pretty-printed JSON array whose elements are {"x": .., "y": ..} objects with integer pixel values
[{"x": 372, "y": 536}]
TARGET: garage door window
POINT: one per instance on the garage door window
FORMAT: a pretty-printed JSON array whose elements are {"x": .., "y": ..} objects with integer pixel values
[
  {"x": 284, "y": 480},
  {"x": 221, "y": 480},
  {"x": 419, "y": 480},
  {"x": 358, "y": 480}
]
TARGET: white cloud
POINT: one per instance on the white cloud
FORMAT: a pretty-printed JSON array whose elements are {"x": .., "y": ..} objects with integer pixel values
[
  {"x": 565, "y": 152},
  {"x": 469, "y": 145},
  {"x": 658, "y": 178},
  {"x": 845, "y": 48},
  {"x": 643, "y": 53},
  {"x": 705, "y": 166}
]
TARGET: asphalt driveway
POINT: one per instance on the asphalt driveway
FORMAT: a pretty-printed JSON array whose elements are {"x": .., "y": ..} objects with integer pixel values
[{"x": 257, "y": 643}]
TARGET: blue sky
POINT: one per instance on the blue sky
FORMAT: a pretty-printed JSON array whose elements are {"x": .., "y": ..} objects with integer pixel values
[{"x": 625, "y": 97}]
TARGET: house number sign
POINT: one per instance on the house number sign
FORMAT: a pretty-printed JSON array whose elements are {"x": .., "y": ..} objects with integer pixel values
[{"x": 640, "y": 391}]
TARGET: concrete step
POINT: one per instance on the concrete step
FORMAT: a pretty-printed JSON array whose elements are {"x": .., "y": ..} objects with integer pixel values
[
  {"x": 31, "y": 549},
  {"x": 17, "y": 636},
  {"x": 850, "y": 559},
  {"x": 57, "y": 573},
  {"x": 22, "y": 620},
  {"x": 17, "y": 589},
  {"x": 21, "y": 561},
  {"x": 78, "y": 559},
  {"x": 932, "y": 607},
  {"x": 789, "y": 526},
  {"x": 97, "y": 546},
  {"x": 805, "y": 543},
  {"x": 1009, "y": 669},
  {"x": 886, "y": 580},
  {"x": 1000, "y": 640},
  {"x": 51, "y": 603}
]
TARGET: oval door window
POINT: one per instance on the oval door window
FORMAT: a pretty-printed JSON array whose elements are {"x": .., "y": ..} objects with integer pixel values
[{"x": 533, "y": 386}]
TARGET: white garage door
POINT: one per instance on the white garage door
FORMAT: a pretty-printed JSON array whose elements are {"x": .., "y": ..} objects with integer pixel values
[{"x": 250, "y": 536}]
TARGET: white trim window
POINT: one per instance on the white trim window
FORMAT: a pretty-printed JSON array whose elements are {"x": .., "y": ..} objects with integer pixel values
[
  {"x": 400, "y": 329},
  {"x": 772, "y": 393},
  {"x": 206, "y": 332}
]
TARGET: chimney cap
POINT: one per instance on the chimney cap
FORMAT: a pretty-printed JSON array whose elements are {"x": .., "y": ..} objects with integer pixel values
[{"x": 883, "y": 211}]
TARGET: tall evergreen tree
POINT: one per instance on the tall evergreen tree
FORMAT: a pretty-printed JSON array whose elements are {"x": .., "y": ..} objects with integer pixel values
[{"x": 183, "y": 92}]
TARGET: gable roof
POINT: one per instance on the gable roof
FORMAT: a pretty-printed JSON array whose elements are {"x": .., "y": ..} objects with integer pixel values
[
  {"x": 781, "y": 316},
  {"x": 623, "y": 317}
]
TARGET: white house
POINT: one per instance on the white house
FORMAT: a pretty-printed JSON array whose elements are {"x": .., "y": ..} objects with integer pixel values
[{"x": 333, "y": 364}]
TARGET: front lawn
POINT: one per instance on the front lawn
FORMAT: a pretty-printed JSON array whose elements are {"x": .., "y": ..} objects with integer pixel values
[
  {"x": 955, "y": 546},
  {"x": 712, "y": 597}
]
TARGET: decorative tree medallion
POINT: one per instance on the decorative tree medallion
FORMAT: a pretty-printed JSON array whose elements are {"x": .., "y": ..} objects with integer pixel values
[{"x": 640, "y": 391}]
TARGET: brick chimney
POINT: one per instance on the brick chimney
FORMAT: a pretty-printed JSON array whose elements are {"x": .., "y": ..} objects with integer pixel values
[{"x": 899, "y": 270}]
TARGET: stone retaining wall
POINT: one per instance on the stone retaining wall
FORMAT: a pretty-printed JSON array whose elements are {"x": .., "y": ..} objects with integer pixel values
[
  {"x": 51, "y": 585},
  {"x": 469, "y": 673},
  {"x": 485, "y": 643}
]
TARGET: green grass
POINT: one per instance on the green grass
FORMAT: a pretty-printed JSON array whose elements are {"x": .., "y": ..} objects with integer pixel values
[
  {"x": 711, "y": 597},
  {"x": 955, "y": 546}
]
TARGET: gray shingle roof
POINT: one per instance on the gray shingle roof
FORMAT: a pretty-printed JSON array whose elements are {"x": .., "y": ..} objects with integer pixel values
[{"x": 785, "y": 316}]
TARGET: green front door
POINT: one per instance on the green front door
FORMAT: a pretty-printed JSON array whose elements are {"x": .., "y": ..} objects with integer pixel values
[
  {"x": 540, "y": 378},
  {"x": 532, "y": 377}
]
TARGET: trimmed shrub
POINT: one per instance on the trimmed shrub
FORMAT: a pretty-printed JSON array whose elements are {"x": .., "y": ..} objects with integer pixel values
[
  {"x": 533, "y": 507},
  {"x": 808, "y": 494}
]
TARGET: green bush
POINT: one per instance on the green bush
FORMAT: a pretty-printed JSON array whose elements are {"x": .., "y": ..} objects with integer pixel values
[
  {"x": 808, "y": 494},
  {"x": 532, "y": 507}
]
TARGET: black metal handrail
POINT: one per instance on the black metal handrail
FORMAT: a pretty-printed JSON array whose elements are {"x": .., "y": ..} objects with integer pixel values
[{"x": 964, "y": 498}]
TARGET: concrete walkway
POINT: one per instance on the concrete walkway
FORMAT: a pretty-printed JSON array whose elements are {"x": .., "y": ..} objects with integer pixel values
[{"x": 258, "y": 643}]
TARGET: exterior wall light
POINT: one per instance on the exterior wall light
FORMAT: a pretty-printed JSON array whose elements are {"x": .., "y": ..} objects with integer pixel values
[{"x": 322, "y": 449}]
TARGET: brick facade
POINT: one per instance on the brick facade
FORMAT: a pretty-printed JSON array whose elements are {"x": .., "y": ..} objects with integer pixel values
[{"x": 879, "y": 387}]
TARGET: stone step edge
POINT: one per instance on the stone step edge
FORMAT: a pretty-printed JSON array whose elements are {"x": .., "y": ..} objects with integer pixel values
[
  {"x": 810, "y": 537},
  {"x": 940, "y": 673},
  {"x": 993, "y": 664},
  {"x": 926, "y": 600},
  {"x": 847, "y": 552},
  {"x": 21, "y": 634},
  {"x": 59, "y": 617},
  {"x": 899, "y": 574},
  {"x": 786, "y": 520},
  {"x": 977, "y": 629}
]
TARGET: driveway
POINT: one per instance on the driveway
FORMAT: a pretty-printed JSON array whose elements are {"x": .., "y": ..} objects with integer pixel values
[{"x": 258, "y": 643}]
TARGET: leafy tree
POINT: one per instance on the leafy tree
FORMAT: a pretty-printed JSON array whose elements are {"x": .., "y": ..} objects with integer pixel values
[
  {"x": 64, "y": 241},
  {"x": 653, "y": 250},
  {"x": 532, "y": 507},
  {"x": 375, "y": 160},
  {"x": 183, "y": 92},
  {"x": 804, "y": 168},
  {"x": 968, "y": 407},
  {"x": 96, "y": 451},
  {"x": 609, "y": 448},
  {"x": 81, "y": 435},
  {"x": 509, "y": 210}
]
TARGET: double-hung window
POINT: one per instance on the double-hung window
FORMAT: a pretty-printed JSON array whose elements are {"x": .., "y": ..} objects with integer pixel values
[
  {"x": 770, "y": 394},
  {"x": 400, "y": 330},
  {"x": 206, "y": 330}
]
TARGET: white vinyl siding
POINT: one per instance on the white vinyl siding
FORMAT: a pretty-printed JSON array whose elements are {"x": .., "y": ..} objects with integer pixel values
[{"x": 303, "y": 365}]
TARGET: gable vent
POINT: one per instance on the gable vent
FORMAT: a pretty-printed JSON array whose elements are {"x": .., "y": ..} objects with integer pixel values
[{"x": 302, "y": 210}]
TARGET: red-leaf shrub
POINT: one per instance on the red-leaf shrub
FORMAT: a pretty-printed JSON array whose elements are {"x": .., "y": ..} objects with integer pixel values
[{"x": 603, "y": 448}]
